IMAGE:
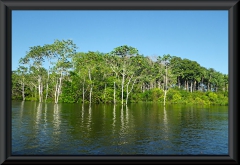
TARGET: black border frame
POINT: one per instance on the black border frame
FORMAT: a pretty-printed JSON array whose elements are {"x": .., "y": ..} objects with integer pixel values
[{"x": 6, "y": 6}]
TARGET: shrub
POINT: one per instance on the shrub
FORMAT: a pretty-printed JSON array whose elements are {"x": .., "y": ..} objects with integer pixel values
[{"x": 176, "y": 98}]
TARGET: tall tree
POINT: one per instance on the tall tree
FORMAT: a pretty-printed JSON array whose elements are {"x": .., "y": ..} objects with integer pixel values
[
  {"x": 35, "y": 59},
  {"x": 125, "y": 52},
  {"x": 22, "y": 72},
  {"x": 63, "y": 51}
]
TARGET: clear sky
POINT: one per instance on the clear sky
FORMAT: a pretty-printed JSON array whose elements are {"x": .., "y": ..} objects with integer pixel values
[{"x": 200, "y": 36}]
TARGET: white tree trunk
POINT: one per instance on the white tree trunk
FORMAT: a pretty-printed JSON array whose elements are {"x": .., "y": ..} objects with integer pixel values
[
  {"x": 123, "y": 76},
  {"x": 90, "y": 94},
  {"x": 47, "y": 87},
  {"x": 39, "y": 89},
  {"x": 55, "y": 93},
  {"x": 191, "y": 87},
  {"x": 114, "y": 95},
  {"x": 23, "y": 91},
  {"x": 178, "y": 82},
  {"x": 58, "y": 88},
  {"x": 165, "y": 94},
  {"x": 83, "y": 94},
  {"x": 130, "y": 89}
]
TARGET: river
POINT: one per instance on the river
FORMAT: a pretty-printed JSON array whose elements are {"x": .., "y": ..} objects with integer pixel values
[{"x": 145, "y": 129}]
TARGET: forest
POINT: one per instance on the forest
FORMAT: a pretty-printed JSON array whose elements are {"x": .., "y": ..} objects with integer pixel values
[{"x": 57, "y": 73}]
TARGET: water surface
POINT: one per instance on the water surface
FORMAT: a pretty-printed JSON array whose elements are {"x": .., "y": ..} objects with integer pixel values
[{"x": 149, "y": 129}]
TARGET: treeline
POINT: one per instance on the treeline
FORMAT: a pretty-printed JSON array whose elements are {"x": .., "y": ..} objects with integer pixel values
[{"x": 57, "y": 73}]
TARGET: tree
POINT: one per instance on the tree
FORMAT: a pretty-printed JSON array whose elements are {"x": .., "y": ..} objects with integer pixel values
[
  {"x": 114, "y": 62},
  {"x": 177, "y": 68},
  {"x": 35, "y": 59},
  {"x": 63, "y": 51},
  {"x": 125, "y": 52},
  {"x": 22, "y": 72},
  {"x": 165, "y": 60},
  {"x": 122, "y": 74}
]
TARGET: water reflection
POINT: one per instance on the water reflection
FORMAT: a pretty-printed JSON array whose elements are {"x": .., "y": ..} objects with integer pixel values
[
  {"x": 56, "y": 119},
  {"x": 117, "y": 129},
  {"x": 45, "y": 122},
  {"x": 165, "y": 124},
  {"x": 114, "y": 119},
  {"x": 82, "y": 114},
  {"x": 89, "y": 117},
  {"x": 122, "y": 122},
  {"x": 21, "y": 110},
  {"x": 124, "y": 126},
  {"x": 127, "y": 116},
  {"x": 38, "y": 115}
]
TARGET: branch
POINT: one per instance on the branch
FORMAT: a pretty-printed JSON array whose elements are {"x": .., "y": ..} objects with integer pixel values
[{"x": 132, "y": 85}]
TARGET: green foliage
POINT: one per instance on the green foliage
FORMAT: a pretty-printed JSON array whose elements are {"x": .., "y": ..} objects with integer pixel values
[
  {"x": 176, "y": 98},
  {"x": 92, "y": 75}
]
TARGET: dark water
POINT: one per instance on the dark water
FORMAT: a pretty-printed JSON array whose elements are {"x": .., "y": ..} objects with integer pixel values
[{"x": 149, "y": 129}]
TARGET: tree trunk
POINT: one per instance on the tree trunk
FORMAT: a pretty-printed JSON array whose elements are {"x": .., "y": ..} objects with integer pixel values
[
  {"x": 39, "y": 89},
  {"x": 114, "y": 95},
  {"x": 166, "y": 78},
  {"x": 90, "y": 93},
  {"x": 195, "y": 86},
  {"x": 55, "y": 93},
  {"x": 58, "y": 88},
  {"x": 130, "y": 90},
  {"x": 23, "y": 91},
  {"x": 123, "y": 76},
  {"x": 165, "y": 94},
  {"x": 83, "y": 94},
  {"x": 191, "y": 87},
  {"x": 47, "y": 87},
  {"x": 179, "y": 84}
]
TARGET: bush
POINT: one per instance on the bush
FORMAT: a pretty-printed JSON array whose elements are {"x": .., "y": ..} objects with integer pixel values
[
  {"x": 212, "y": 97},
  {"x": 156, "y": 94},
  {"x": 177, "y": 98}
]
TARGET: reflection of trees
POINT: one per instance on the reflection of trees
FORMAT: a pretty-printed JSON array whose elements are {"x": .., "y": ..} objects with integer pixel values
[
  {"x": 122, "y": 122},
  {"x": 21, "y": 110},
  {"x": 125, "y": 128},
  {"x": 45, "y": 122},
  {"x": 89, "y": 117},
  {"x": 165, "y": 124},
  {"x": 56, "y": 119},
  {"x": 39, "y": 114},
  {"x": 82, "y": 114},
  {"x": 114, "y": 118},
  {"x": 45, "y": 115}
]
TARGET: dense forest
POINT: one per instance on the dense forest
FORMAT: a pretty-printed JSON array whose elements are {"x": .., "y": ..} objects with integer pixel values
[{"x": 57, "y": 73}]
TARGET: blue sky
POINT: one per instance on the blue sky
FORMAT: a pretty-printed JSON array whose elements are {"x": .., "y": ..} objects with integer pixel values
[{"x": 200, "y": 36}]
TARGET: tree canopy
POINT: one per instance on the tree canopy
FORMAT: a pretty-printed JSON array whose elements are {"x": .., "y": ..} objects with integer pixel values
[{"x": 56, "y": 72}]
